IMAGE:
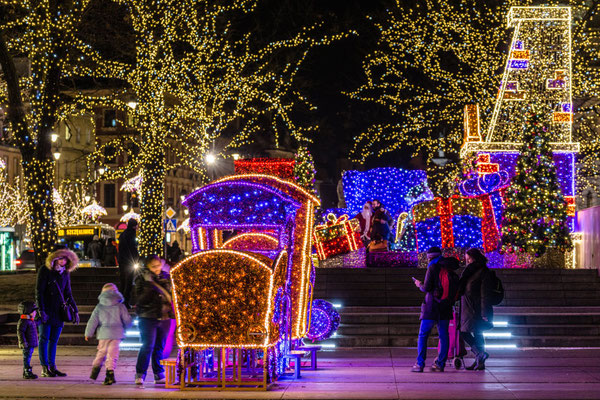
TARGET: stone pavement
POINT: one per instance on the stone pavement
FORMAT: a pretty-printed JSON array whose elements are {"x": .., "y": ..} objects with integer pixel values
[{"x": 378, "y": 373}]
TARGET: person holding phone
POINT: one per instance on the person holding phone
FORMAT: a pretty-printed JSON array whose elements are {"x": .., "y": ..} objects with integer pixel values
[{"x": 433, "y": 312}]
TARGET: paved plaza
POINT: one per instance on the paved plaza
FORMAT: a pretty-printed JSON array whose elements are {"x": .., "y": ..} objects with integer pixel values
[{"x": 343, "y": 374}]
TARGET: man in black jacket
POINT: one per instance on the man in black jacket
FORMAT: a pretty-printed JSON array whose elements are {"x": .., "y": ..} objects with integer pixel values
[
  {"x": 128, "y": 258},
  {"x": 433, "y": 311}
]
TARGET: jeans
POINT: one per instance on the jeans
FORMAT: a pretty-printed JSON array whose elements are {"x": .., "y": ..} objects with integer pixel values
[
  {"x": 154, "y": 334},
  {"x": 48, "y": 340},
  {"x": 27, "y": 353},
  {"x": 425, "y": 330},
  {"x": 476, "y": 341}
]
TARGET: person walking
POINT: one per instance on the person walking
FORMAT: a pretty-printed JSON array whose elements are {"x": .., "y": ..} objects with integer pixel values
[
  {"x": 154, "y": 307},
  {"x": 128, "y": 258},
  {"x": 108, "y": 321},
  {"x": 52, "y": 289},
  {"x": 440, "y": 288},
  {"x": 110, "y": 253},
  {"x": 27, "y": 335},
  {"x": 475, "y": 287}
]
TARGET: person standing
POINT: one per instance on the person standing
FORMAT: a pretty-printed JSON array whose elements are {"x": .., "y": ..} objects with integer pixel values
[
  {"x": 154, "y": 307},
  {"x": 364, "y": 218},
  {"x": 94, "y": 251},
  {"x": 108, "y": 321},
  {"x": 380, "y": 222},
  {"x": 54, "y": 285},
  {"x": 110, "y": 253},
  {"x": 27, "y": 335},
  {"x": 128, "y": 258},
  {"x": 175, "y": 254},
  {"x": 477, "y": 313},
  {"x": 436, "y": 308}
]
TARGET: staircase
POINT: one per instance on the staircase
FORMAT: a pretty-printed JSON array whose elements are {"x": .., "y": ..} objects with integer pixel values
[{"x": 379, "y": 307}]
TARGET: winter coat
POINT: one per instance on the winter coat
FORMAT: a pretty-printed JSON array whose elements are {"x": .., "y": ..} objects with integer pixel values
[
  {"x": 475, "y": 288},
  {"x": 128, "y": 250},
  {"x": 432, "y": 308},
  {"x": 175, "y": 255},
  {"x": 380, "y": 227},
  {"x": 110, "y": 318},
  {"x": 95, "y": 250},
  {"x": 150, "y": 301},
  {"x": 27, "y": 332},
  {"x": 47, "y": 295},
  {"x": 110, "y": 256}
]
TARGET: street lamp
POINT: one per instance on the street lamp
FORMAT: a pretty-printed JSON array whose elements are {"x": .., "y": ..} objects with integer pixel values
[
  {"x": 235, "y": 156},
  {"x": 87, "y": 198},
  {"x": 124, "y": 207},
  {"x": 56, "y": 155},
  {"x": 210, "y": 159},
  {"x": 101, "y": 171},
  {"x": 53, "y": 137}
]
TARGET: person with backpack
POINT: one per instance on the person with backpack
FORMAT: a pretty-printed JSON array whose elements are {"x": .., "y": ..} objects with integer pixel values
[
  {"x": 440, "y": 287},
  {"x": 476, "y": 287}
]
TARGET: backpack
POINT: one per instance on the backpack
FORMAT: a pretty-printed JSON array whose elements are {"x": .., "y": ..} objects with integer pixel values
[
  {"x": 497, "y": 293},
  {"x": 448, "y": 282}
]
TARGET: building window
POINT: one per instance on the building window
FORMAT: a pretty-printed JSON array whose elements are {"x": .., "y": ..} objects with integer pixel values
[
  {"x": 109, "y": 195},
  {"x": 110, "y": 118},
  {"x": 68, "y": 134},
  {"x": 110, "y": 155}
]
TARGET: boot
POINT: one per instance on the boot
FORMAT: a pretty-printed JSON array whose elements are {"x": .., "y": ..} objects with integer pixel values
[
  {"x": 95, "y": 373},
  {"x": 110, "y": 377},
  {"x": 55, "y": 371},
  {"x": 28, "y": 374},
  {"x": 47, "y": 372}
]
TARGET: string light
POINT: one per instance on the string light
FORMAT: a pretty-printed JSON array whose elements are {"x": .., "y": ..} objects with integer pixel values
[{"x": 337, "y": 236}]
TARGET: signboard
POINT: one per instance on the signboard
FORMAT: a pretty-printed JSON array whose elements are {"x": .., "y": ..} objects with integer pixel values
[
  {"x": 170, "y": 225},
  {"x": 170, "y": 213},
  {"x": 77, "y": 232}
]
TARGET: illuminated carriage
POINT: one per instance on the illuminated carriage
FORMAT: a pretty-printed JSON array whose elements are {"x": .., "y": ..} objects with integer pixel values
[{"x": 243, "y": 300}]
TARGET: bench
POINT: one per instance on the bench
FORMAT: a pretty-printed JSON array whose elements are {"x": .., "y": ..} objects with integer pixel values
[
  {"x": 171, "y": 378},
  {"x": 313, "y": 354},
  {"x": 296, "y": 356}
]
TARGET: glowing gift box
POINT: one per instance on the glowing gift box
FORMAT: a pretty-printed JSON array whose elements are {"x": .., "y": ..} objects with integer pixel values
[
  {"x": 337, "y": 236},
  {"x": 453, "y": 222}
]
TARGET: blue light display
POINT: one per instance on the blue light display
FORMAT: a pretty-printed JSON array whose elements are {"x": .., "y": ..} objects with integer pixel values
[
  {"x": 467, "y": 231},
  {"x": 396, "y": 188},
  {"x": 239, "y": 204}
]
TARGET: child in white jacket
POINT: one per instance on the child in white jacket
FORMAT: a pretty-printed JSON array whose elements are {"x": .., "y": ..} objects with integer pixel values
[{"x": 109, "y": 321}]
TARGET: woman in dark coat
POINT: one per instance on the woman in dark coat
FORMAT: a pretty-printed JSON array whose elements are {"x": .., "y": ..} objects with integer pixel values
[
  {"x": 476, "y": 311},
  {"x": 154, "y": 307},
  {"x": 110, "y": 253},
  {"x": 54, "y": 277}
]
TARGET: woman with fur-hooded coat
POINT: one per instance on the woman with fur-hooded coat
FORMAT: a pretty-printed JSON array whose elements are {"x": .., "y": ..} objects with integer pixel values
[{"x": 56, "y": 274}]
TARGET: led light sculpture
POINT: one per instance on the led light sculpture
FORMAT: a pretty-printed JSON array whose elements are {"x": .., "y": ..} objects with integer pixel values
[
  {"x": 250, "y": 291},
  {"x": 537, "y": 72}
]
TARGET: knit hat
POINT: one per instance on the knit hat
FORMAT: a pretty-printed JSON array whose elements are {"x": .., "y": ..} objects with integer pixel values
[
  {"x": 110, "y": 286},
  {"x": 434, "y": 250}
]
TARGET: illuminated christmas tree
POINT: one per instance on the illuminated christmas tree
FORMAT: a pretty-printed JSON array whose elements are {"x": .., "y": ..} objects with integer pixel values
[
  {"x": 435, "y": 57},
  {"x": 304, "y": 169},
  {"x": 535, "y": 215}
]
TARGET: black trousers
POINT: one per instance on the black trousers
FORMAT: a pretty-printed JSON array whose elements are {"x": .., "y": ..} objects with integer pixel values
[
  {"x": 27, "y": 353},
  {"x": 476, "y": 341},
  {"x": 126, "y": 275}
]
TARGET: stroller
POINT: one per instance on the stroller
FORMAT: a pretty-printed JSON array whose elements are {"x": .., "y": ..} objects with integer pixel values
[{"x": 456, "y": 350}]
